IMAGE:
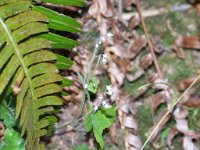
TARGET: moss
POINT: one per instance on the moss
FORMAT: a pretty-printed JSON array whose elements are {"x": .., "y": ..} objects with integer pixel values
[
  {"x": 144, "y": 122},
  {"x": 175, "y": 69},
  {"x": 194, "y": 119},
  {"x": 130, "y": 87}
]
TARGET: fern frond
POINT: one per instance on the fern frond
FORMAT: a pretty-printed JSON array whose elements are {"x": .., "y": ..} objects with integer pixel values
[{"x": 26, "y": 60}]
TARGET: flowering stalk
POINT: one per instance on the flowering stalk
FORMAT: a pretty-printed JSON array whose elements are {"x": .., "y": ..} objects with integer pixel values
[{"x": 85, "y": 79}]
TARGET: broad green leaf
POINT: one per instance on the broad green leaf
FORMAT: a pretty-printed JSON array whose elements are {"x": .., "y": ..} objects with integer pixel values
[
  {"x": 88, "y": 123},
  {"x": 7, "y": 115},
  {"x": 12, "y": 141},
  {"x": 98, "y": 122}
]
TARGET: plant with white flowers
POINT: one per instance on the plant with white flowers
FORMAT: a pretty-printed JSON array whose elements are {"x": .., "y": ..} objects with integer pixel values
[{"x": 101, "y": 115}]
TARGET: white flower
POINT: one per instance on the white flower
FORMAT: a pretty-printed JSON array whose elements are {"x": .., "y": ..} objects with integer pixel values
[
  {"x": 97, "y": 45},
  {"x": 85, "y": 86},
  {"x": 107, "y": 105},
  {"x": 104, "y": 58},
  {"x": 109, "y": 90},
  {"x": 109, "y": 34},
  {"x": 96, "y": 108},
  {"x": 104, "y": 103}
]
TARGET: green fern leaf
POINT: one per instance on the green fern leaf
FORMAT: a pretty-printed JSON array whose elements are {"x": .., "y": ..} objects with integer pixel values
[{"x": 26, "y": 60}]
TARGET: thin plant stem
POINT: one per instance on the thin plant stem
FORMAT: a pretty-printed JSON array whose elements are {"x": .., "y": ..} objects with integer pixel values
[
  {"x": 151, "y": 48},
  {"x": 79, "y": 113},
  {"x": 169, "y": 111}
]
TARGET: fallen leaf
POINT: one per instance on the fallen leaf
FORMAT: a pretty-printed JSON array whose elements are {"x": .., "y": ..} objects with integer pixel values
[
  {"x": 119, "y": 76},
  {"x": 133, "y": 22},
  {"x": 188, "y": 144},
  {"x": 133, "y": 140},
  {"x": 192, "y": 102},
  {"x": 137, "y": 45},
  {"x": 129, "y": 122},
  {"x": 187, "y": 42},
  {"x": 146, "y": 61}
]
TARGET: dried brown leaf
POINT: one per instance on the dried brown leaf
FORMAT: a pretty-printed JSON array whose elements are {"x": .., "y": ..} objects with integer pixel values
[
  {"x": 127, "y": 4},
  {"x": 192, "y": 102},
  {"x": 157, "y": 99},
  {"x": 146, "y": 61},
  {"x": 129, "y": 122},
  {"x": 183, "y": 84},
  {"x": 187, "y": 42},
  {"x": 188, "y": 144},
  {"x": 133, "y": 140},
  {"x": 138, "y": 44},
  {"x": 102, "y": 4},
  {"x": 114, "y": 70},
  {"x": 93, "y": 10},
  {"x": 133, "y": 22},
  {"x": 171, "y": 134}
]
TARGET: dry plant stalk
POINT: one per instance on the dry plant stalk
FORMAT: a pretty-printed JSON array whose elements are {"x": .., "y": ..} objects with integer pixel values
[{"x": 151, "y": 47}]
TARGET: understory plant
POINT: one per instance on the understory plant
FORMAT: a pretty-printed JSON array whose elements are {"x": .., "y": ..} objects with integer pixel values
[
  {"x": 30, "y": 83},
  {"x": 100, "y": 114}
]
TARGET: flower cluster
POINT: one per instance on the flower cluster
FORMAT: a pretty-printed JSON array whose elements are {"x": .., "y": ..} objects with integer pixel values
[
  {"x": 103, "y": 102},
  {"x": 100, "y": 41}
]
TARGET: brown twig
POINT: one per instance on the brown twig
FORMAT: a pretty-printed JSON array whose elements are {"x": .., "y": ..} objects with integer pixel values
[{"x": 151, "y": 48}]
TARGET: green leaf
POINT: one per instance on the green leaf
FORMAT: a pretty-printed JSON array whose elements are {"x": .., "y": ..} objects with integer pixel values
[
  {"x": 88, "y": 123},
  {"x": 110, "y": 113},
  {"x": 63, "y": 62},
  {"x": 92, "y": 85},
  {"x": 81, "y": 147},
  {"x": 12, "y": 141},
  {"x": 66, "y": 82},
  {"x": 59, "y": 21},
  {"x": 66, "y": 2},
  {"x": 59, "y": 42},
  {"x": 98, "y": 122},
  {"x": 6, "y": 116}
]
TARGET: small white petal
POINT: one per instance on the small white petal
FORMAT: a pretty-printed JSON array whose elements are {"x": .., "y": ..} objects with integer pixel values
[
  {"x": 109, "y": 90},
  {"x": 110, "y": 34},
  {"x": 104, "y": 56},
  {"x": 104, "y": 103},
  {"x": 108, "y": 87},
  {"x": 85, "y": 86},
  {"x": 109, "y": 93},
  {"x": 96, "y": 108},
  {"x": 104, "y": 61},
  {"x": 97, "y": 45},
  {"x": 107, "y": 106}
]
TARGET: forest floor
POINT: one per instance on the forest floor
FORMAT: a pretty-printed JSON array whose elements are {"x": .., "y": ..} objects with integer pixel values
[{"x": 173, "y": 27}]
